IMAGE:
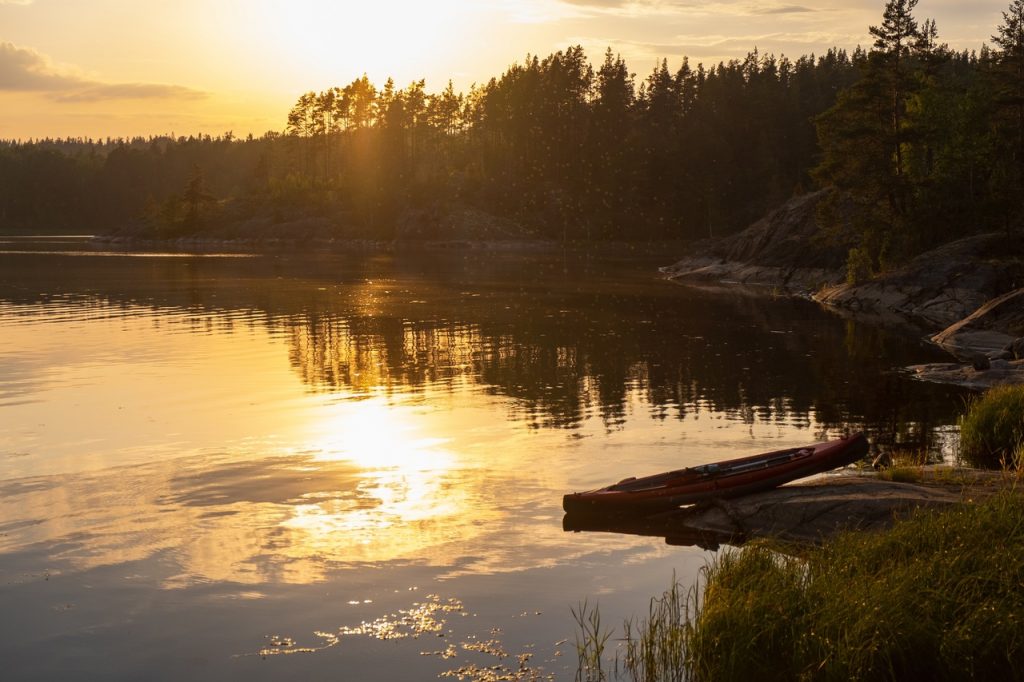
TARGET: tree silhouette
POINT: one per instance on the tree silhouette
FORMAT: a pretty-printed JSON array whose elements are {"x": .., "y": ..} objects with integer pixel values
[{"x": 1009, "y": 77}]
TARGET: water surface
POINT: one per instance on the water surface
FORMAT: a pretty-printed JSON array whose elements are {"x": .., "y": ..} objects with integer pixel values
[{"x": 238, "y": 466}]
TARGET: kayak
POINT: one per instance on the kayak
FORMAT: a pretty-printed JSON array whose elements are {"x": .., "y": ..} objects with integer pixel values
[{"x": 728, "y": 478}]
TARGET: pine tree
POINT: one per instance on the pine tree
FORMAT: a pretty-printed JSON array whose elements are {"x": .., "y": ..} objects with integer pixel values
[
  {"x": 1009, "y": 77},
  {"x": 862, "y": 141},
  {"x": 894, "y": 39}
]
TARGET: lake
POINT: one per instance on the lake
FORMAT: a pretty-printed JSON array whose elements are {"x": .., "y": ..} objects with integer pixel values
[{"x": 350, "y": 466}]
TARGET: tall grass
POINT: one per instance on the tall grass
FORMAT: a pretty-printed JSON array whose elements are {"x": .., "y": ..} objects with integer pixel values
[
  {"x": 591, "y": 638},
  {"x": 655, "y": 647},
  {"x": 938, "y": 597},
  {"x": 992, "y": 430}
]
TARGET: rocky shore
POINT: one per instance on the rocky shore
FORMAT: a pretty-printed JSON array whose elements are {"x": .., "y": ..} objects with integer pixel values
[
  {"x": 781, "y": 251},
  {"x": 966, "y": 296}
]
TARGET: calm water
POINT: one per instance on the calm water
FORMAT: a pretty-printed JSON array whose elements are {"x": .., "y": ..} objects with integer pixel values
[{"x": 351, "y": 466}]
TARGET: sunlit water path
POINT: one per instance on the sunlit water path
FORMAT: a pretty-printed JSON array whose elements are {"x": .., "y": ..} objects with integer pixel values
[{"x": 207, "y": 463}]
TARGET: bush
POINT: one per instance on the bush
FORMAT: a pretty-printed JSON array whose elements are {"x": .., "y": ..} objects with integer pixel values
[
  {"x": 858, "y": 266},
  {"x": 992, "y": 430}
]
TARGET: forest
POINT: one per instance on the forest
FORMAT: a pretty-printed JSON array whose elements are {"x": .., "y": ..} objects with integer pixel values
[{"x": 918, "y": 142}]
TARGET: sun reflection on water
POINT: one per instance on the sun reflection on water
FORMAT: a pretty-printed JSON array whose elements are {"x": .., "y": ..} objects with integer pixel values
[
  {"x": 408, "y": 496},
  {"x": 376, "y": 435}
]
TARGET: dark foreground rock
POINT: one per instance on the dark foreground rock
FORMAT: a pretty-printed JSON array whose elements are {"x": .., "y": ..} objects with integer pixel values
[{"x": 797, "y": 513}]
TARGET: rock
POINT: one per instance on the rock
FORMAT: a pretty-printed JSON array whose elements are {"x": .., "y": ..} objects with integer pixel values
[
  {"x": 808, "y": 513},
  {"x": 942, "y": 286},
  {"x": 981, "y": 362},
  {"x": 1016, "y": 348},
  {"x": 993, "y": 327},
  {"x": 1000, "y": 372},
  {"x": 780, "y": 250}
]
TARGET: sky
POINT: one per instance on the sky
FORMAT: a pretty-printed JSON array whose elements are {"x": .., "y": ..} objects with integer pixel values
[{"x": 99, "y": 68}]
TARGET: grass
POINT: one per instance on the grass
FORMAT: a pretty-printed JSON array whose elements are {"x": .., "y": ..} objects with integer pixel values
[
  {"x": 655, "y": 647},
  {"x": 591, "y": 639},
  {"x": 992, "y": 430},
  {"x": 902, "y": 474},
  {"x": 938, "y": 597}
]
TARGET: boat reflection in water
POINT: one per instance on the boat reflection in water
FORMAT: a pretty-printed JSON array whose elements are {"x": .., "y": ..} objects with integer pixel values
[{"x": 669, "y": 525}]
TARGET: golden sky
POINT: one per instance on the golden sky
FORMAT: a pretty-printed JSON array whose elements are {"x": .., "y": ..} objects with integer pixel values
[{"x": 139, "y": 67}]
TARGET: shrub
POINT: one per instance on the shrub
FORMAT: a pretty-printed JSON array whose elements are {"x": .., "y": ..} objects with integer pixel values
[
  {"x": 992, "y": 430},
  {"x": 858, "y": 266}
]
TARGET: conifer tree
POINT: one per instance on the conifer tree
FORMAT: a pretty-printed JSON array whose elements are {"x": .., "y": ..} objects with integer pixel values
[
  {"x": 894, "y": 39},
  {"x": 1009, "y": 76}
]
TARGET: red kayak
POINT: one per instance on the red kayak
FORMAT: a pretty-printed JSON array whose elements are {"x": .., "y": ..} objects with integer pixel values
[{"x": 729, "y": 478}]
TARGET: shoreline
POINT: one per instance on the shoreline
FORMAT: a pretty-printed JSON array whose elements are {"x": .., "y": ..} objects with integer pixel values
[{"x": 926, "y": 298}]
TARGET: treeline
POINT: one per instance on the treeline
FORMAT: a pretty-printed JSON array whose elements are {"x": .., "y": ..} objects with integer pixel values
[
  {"x": 55, "y": 185},
  {"x": 563, "y": 148},
  {"x": 921, "y": 142}
]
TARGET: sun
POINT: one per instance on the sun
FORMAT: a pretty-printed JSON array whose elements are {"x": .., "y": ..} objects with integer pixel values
[{"x": 339, "y": 41}]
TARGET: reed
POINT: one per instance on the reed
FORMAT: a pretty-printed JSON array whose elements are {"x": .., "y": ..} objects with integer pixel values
[
  {"x": 591, "y": 638},
  {"x": 655, "y": 647}
]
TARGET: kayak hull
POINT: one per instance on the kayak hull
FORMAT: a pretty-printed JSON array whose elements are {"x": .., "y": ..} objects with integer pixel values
[{"x": 719, "y": 480}]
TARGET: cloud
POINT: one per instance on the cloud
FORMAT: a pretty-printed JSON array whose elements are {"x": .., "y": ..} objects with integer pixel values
[
  {"x": 783, "y": 9},
  {"x": 130, "y": 91},
  {"x": 25, "y": 70},
  {"x": 599, "y": 4},
  {"x": 690, "y": 7},
  {"x": 711, "y": 48}
]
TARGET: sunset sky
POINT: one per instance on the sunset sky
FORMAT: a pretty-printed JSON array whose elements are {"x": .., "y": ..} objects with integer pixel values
[{"x": 139, "y": 67}]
